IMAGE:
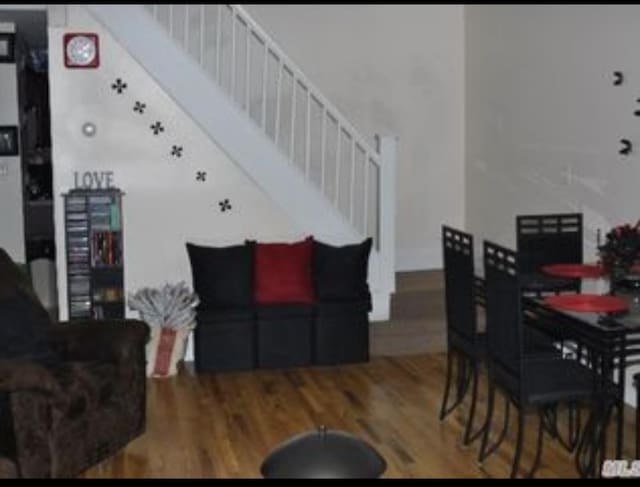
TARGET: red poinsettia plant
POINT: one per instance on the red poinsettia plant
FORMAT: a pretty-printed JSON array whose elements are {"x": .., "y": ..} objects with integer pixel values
[{"x": 621, "y": 249}]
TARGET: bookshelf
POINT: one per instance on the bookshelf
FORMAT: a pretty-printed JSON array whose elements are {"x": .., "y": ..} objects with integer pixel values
[{"x": 94, "y": 242}]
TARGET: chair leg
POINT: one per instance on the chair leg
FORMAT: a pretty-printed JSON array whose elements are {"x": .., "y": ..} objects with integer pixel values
[
  {"x": 574, "y": 427},
  {"x": 550, "y": 418},
  {"x": 519, "y": 441},
  {"x": 638, "y": 422},
  {"x": 463, "y": 379},
  {"x": 536, "y": 461},
  {"x": 484, "y": 452},
  {"x": 447, "y": 387},
  {"x": 462, "y": 382},
  {"x": 487, "y": 423},
  {"x": 468, "y": 437}
]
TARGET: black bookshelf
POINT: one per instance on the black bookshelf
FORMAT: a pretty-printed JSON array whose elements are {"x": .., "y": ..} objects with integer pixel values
[{"x": 94, "y": 242}]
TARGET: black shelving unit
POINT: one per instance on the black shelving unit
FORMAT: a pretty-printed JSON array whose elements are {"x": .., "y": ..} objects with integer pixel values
[{"x": 94, "y": 242}]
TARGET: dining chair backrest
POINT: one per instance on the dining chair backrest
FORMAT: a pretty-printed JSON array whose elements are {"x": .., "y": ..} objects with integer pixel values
[
  {"x": 457, "y": 249},
  {"x": 548, "y": 239},
  {"x": 504, "y": 315}
]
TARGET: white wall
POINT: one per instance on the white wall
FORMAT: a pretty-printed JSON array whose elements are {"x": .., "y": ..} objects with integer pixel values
[
  {"x": 163, "y": 206},
  {"x": 543, "y": 118},
  {"x": 398, "y": 70},
  {"x": 11, "y": 210}
]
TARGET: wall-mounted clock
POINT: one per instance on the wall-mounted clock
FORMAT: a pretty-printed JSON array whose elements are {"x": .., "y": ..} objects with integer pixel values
[{"x": 81, "y": 50}]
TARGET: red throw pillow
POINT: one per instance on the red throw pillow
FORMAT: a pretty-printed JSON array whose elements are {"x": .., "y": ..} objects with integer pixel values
[{"x": 283, "y": 272}]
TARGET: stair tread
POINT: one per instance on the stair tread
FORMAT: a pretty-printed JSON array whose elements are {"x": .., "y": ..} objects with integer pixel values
[{"x": 430, "y": 280}]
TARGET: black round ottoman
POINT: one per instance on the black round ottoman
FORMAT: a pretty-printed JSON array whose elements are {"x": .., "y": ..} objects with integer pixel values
[{"x": 323, "y": 454}]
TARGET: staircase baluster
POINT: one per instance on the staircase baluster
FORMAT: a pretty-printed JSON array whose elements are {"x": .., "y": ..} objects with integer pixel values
[
  {"x": 352, "y": 179},
  {"x": 336, "y": 200},
  {"x": 233, "y": 52},
  {"x": 264, "y": 86},
  {"x": 186, "y": 27},
  {"x": 323, "y": 137},
  {"x": 202, "y": 28},
  {"x": 293, "y": 118},
  {"x": 247, "y": 73},
  {"x": 278, "y": 86},
  {"x": 365, "y": 197},
  {"x": 171, "y": 20},
  {"x": 307, "y": 139},
  {"x": 218, "y": 42}
]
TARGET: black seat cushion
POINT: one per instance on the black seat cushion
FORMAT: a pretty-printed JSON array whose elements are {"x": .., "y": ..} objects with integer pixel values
[
  {"x": 546, "y": 381},
  {"x": 340, "y": 273},
  {"x": 537, "y": 343},
  {"x": 222, "y": 276},
  {"x": 476, "y": 349},
  {"x": 343, "y": 307},
  {"x": 205, "y": 316},
  {"x": 25, "y": 330},
  {"x": 286, "y": 310}
]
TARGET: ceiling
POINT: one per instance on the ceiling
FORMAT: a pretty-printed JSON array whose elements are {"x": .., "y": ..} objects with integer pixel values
[{"x": 31, "y": 25}]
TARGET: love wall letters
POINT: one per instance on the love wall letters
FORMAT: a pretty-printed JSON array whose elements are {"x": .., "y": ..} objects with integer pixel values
[{"x": 93, "y": 179}]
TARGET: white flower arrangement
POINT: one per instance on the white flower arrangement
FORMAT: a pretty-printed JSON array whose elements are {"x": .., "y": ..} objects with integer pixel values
[{"x": 172, "y": 306}]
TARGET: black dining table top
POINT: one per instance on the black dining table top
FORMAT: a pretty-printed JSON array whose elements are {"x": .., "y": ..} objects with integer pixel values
[{"x": 627, "y": 321}]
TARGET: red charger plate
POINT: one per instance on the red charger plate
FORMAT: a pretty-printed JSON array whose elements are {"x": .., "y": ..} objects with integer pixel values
[
  {"x": 574, "y": 270},
  {"x": 591, "y": 303}
]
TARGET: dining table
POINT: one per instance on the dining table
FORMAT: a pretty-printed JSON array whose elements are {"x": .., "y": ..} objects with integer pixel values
[{"x": 612, "y": 340}]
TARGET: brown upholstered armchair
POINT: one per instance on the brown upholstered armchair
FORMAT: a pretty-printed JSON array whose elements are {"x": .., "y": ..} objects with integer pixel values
[{"x": 58, "y": 419}]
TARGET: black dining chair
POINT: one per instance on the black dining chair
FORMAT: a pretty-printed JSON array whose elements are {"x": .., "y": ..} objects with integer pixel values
[
  {"x": 544, "y": 239},
  {"x": 466, "y": 344},
  {"x": 530, "y": 381},
  {"x": 548, "y": 239}
]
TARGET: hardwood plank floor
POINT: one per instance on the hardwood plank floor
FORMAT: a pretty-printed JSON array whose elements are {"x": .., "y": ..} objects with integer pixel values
[{"x": 223, "y": 425}]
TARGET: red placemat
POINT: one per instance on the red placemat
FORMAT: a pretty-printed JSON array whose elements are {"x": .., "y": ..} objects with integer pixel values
[
  {"x": 592, "y": 303},
  {"x": 574, "y": 270}
]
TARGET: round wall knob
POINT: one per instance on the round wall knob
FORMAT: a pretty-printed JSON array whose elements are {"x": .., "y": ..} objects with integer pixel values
[{"x": 89, "y": 129}]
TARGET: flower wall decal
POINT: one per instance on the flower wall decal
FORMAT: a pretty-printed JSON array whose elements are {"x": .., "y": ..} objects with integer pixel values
[
  {"x": 139, "y": 107},
  {"x": 201, "y": 176},
  {"x": 225, "y": 205},
  {"x": 176, "y": 150},
  {"x": 157, "y": 128},
  {"x": 119, "y": 86}
]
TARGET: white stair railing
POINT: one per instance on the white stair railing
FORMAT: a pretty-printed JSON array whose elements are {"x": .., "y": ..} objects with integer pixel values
[{"x": 308, "y": 129}]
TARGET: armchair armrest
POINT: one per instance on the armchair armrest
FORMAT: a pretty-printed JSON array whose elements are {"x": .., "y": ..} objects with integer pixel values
[
  {"x": 113, "y": 341},
  {"x": 21, "y": 376}
]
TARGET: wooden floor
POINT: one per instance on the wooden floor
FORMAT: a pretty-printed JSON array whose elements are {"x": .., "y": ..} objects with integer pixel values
[{"x": 223, "y": 425}]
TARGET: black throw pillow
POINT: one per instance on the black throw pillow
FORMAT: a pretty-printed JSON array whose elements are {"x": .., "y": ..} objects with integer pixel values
[
  {"x": 25, "y": 330},
  {"x": 340, "y": 273},
  {"x": 222, "y": 276}
]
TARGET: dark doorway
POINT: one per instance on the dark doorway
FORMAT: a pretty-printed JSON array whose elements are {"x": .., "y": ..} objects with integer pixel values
[{"x": 31, "y": 58}]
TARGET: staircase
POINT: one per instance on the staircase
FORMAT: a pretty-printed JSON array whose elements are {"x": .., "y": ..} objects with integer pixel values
[
  {"x": 417, "y": 322},
  {"x": 243, "y": 91}
]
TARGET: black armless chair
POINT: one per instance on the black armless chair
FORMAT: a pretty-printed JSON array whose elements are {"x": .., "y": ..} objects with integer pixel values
[
  {"x": 529, "y": 381},
  {"x": 465, "y": 343},
  {"x": 463, "y": 340},
  {"x": 548, "y": 239}
]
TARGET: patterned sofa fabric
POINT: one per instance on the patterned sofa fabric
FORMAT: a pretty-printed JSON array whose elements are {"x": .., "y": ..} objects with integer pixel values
[{"x": 57, "y": 419}]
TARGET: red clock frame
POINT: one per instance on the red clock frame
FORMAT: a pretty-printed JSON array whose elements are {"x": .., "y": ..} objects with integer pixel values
[{"x": 94, "y": 37}]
